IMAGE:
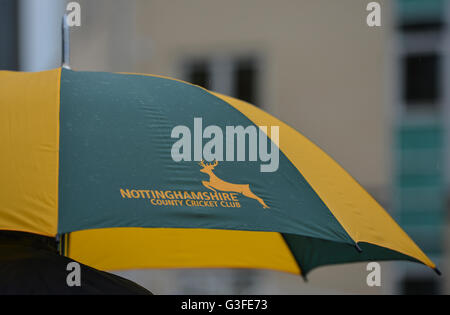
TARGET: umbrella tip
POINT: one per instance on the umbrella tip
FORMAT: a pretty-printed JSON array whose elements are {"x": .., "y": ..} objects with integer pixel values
[{"x": 437, "y": 271}]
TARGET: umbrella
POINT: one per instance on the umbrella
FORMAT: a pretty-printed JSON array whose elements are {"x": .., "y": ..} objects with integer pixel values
[
  {"x": 30, "y": 264},
  {"x": 220, "y": 182}
]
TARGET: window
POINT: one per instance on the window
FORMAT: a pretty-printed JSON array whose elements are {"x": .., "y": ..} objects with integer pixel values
[
  {"x": 199, "y": 73},
  {"x": 237, "y": 76},
  {"x": 421, "y": 79},
  {"x": 420, "y": 286},
  {"x": 431, "y": 26},
  {"x": 245, "y": 76}
]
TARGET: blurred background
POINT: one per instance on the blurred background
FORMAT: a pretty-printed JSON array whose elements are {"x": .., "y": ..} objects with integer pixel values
[{"x": 374, "y": 98}]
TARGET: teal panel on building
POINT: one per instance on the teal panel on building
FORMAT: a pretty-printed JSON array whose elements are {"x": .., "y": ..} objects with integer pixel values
[
  {"x": 420, "y": 10},
  {"x": 419, "y": 182}
]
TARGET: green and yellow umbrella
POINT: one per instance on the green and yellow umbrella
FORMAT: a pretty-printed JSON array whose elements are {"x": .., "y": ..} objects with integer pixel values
[{"x": 107, "y": 159}]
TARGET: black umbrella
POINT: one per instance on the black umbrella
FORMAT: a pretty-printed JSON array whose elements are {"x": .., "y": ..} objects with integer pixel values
[{"x": 31, "y": 264}]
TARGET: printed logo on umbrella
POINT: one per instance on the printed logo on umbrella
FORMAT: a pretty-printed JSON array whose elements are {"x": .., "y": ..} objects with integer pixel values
[
  {"x": 221, "y": 193},
  {"x": 219, "y": 184}
]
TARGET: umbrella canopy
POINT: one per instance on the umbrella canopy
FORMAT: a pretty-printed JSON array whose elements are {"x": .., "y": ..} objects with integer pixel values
[
  {"x": 93, "y": 151},
  {"x": 30, "y": 264}
]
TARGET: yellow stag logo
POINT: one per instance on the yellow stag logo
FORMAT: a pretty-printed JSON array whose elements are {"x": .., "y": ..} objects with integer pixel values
[{"x": 221, "y": 185}]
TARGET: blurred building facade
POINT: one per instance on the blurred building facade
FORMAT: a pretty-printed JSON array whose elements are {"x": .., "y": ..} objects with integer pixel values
[
  {"x": 421, "y": 132},
  {"x": 8, "y": 35},
  {"x": 372, "y": 97},
  {"x": 30, "y": 34}
]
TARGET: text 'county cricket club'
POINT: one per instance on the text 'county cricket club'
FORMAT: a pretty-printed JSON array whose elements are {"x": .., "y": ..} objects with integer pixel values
[{"x": 221, "y": 193}]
